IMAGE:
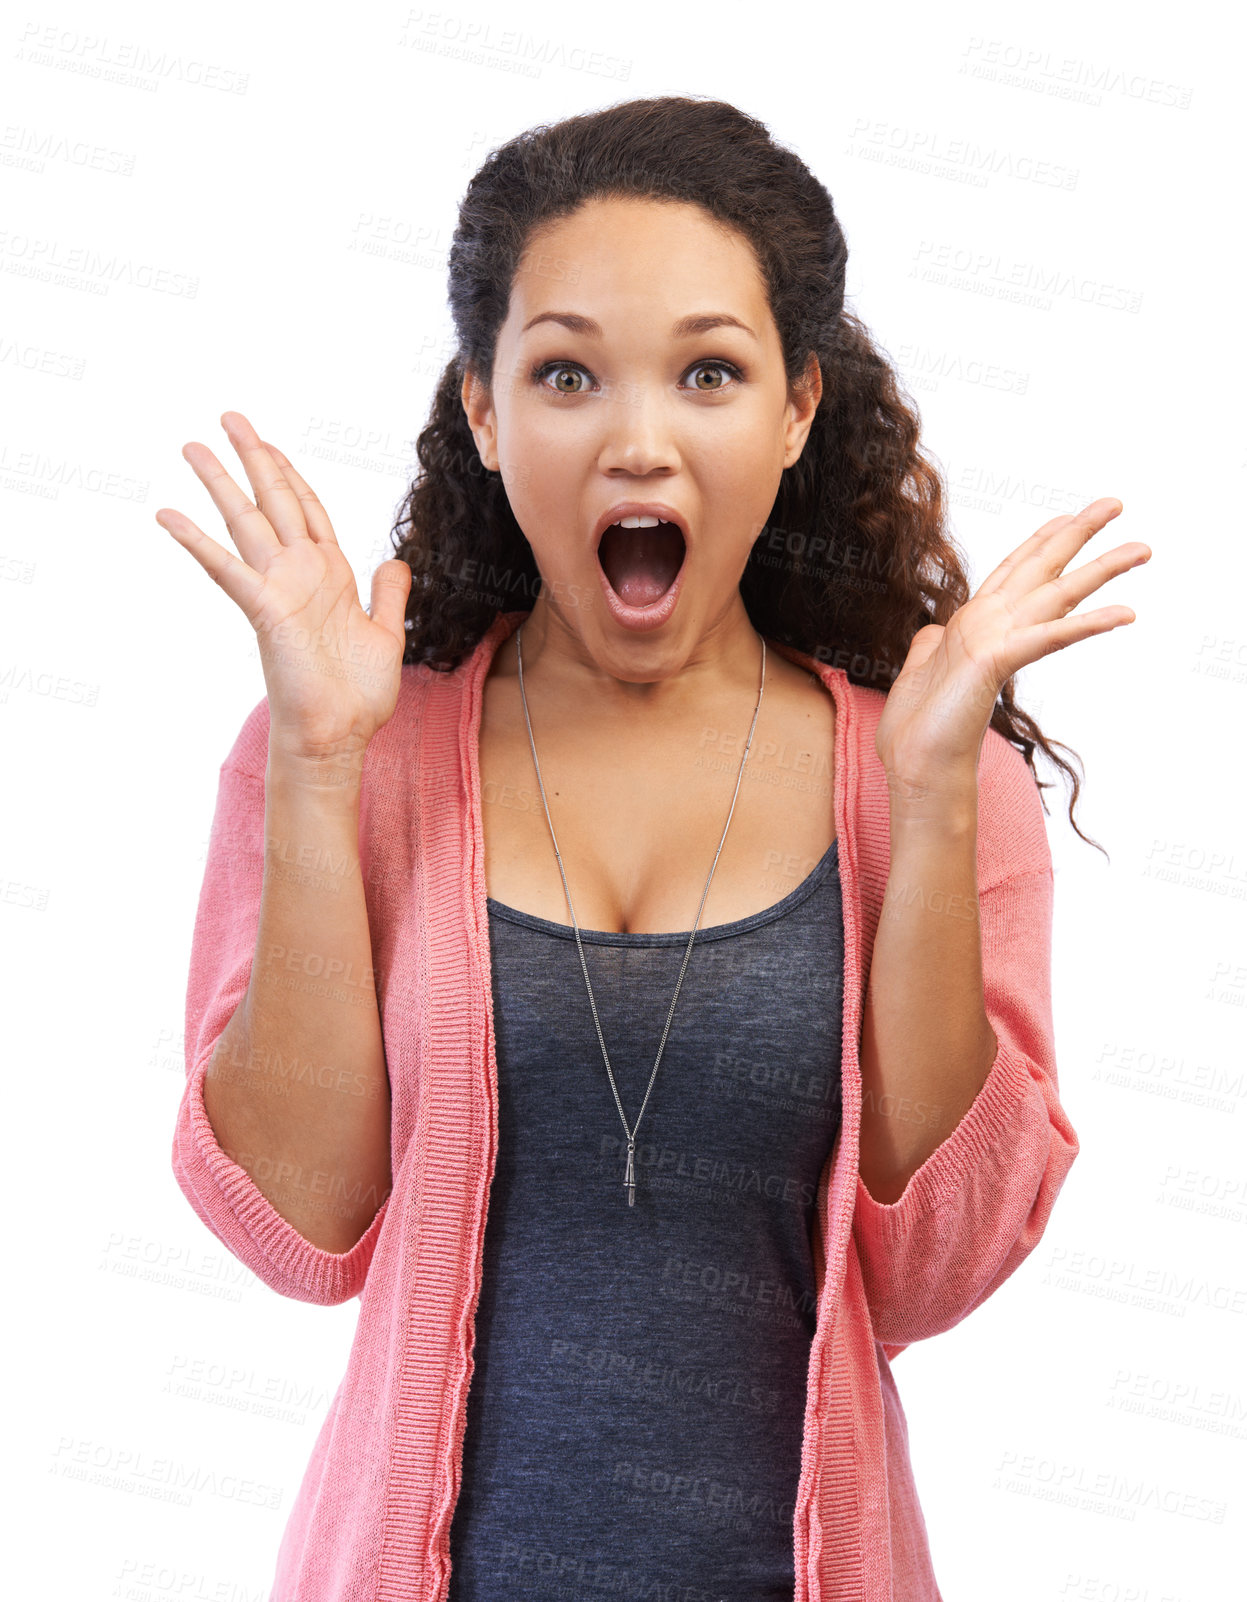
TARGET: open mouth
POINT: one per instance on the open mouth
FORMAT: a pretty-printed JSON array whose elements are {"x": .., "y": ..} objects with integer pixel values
[{"x": 641, "y": 564}]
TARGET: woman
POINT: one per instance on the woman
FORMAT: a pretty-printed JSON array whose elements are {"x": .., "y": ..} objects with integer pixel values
[{"x": 543, "y": 897}]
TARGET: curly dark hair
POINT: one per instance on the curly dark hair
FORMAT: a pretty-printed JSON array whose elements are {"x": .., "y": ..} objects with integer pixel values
[{"x": 855, "y": 557}]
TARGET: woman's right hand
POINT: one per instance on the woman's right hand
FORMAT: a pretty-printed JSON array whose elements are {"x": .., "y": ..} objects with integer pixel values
[{"x": 331, "y": 669}]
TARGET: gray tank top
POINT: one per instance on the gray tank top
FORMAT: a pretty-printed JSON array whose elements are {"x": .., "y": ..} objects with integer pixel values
[{"x": 635, "y": 1415}]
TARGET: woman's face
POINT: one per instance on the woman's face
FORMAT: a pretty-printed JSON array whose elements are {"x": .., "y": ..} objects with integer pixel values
[{"x": 609, "y": 388}]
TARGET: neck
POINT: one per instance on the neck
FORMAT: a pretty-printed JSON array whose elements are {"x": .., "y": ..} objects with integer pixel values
[{"x": 586, "y": 657}]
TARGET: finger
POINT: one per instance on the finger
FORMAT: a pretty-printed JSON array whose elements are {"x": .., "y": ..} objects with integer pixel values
[
  {"x": 314, "y": 514},
  {"x": 391, "y": 585},
  {"x": 1050, "y": 548},
  {"x": 1063, "y": 593},
  {"x": 1042, "y": 639},
  {"x": 250, "y": 530},
  {"x": 273, "y": 494},
  {"x": 240, "y": 582}
]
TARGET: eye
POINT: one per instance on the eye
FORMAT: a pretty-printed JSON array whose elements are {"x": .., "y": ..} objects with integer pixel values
[
  {"x": 539, "y": 372},
  {"x": 702, "y": 367}
]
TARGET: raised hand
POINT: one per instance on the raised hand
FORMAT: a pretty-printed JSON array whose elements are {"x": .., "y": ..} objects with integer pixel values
[
  {"x": 330, "y": 667},
  {"x": 940, "y": 705}
]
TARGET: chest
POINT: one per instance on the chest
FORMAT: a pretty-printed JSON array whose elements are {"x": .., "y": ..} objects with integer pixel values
[{"x": 639, "y": 807}]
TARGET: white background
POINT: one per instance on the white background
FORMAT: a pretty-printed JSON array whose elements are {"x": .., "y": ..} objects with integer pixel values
[{"x": 1081, "y": 1436}]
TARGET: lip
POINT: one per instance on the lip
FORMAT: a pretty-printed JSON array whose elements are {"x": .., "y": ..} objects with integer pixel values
[
  {"x": 640, "y": 619},
  {"x": 658, "y": 509}
]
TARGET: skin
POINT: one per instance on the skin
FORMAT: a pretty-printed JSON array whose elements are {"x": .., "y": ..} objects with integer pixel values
[
  {"x": 640, "y": 430},
  {"x": 927, "y": 1042},
  {"x": 640, "y": 265},
  {"x": 643, "y": 426},
  {"x": 653, "y": 415}
]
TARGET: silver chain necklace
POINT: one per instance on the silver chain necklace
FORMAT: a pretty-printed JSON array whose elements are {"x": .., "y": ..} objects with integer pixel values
[{"x": 629, "y": 1173}]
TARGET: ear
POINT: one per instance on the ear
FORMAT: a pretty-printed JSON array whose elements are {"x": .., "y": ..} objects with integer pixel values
[
  {"x": 478, "y": 406},
  {"x": 802, "y": 404}
]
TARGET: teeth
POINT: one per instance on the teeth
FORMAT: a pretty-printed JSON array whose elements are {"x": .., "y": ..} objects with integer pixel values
[{"x": 639, "y": 521}]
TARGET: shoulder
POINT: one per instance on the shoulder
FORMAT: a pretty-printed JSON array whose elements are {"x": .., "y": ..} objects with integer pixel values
[{"x": 1012, "y": 835}]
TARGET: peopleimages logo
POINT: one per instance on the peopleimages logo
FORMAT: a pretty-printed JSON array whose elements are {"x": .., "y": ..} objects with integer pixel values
[
  {"x": 983, "y": 272},
  {"x": 1022, "y": 66},
  {"x": 935, "y": 155}
]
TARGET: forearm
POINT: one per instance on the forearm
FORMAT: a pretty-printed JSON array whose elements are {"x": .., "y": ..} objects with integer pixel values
[
  {"x": 927, "y": 1044},
  {"x": 297, "y": 1091}
]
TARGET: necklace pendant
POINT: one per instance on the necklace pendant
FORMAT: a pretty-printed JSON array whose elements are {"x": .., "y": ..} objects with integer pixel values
[{"x": 629, "y": 1179}]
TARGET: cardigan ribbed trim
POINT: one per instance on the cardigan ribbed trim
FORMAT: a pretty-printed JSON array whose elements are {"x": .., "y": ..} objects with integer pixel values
[{"x": 371, "y": 1522}]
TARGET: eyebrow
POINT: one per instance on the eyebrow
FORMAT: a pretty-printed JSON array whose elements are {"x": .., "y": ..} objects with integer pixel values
[{"x": 684, "y": 328}]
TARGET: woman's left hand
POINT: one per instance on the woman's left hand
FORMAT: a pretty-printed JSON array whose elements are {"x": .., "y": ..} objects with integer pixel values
[{"x": 940, "y": 705}]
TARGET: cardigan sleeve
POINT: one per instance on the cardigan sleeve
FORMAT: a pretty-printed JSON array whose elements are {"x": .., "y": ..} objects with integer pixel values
[
  {"x": 978, "y": 1205},
  {"x": 223, "y": 1194}
]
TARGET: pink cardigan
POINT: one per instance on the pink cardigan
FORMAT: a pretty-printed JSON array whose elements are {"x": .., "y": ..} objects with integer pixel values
[{"x": 371, "y": 1521}]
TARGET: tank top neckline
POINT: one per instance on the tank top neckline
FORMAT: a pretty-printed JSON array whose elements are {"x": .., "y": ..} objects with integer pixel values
[{"x": 827, "y": 864}]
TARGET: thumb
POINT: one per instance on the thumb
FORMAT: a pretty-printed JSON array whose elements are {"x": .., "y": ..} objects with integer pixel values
[
  {"x": 923, "y": 643},
  {"x": 391, "y": 585}
]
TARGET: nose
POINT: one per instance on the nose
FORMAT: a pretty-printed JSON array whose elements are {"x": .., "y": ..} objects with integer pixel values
[{"x": 638, "y": 432}]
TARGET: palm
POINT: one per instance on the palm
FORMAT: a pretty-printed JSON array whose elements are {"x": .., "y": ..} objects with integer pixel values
[
  {"x": 307, "y": 617},
  {"x": 940, "y": 705},
  {"x": 331, "y": 668}
]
